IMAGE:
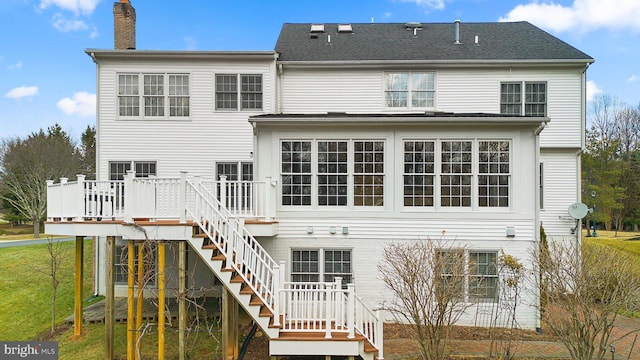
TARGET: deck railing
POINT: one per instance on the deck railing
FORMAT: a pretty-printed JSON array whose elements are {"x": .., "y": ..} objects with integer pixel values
[{"x": 152, "y": 197}]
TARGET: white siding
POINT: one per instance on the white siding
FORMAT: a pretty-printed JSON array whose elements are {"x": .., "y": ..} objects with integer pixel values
[
  {"x": 192, "y": 144},
  {"x": 560, "y": 191},
  {"x": 459, "y": 90},
  {"x": 368, "y": 240}
]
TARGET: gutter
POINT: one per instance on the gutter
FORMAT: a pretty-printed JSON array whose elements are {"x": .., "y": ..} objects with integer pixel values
[{"x": 470, "y": 62}]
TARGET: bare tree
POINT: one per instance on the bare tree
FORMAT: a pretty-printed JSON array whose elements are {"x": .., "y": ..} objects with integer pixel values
[
  {"x": 586, "y": 287},
  {"x": 427, "y": 281},
  {"x": 52, "y": 269}
]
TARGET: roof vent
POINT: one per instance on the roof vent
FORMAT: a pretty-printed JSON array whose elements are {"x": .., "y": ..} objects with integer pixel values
[
  {"x": 317, "y": 28},
  {"x": 457, "y": 30},
  {"x": 345, "y": 28},
  {"x": 413, "y": 25}
]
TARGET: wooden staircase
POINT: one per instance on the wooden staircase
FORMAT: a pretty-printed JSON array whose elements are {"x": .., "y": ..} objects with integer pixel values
[{"x": 280, "y": 309}]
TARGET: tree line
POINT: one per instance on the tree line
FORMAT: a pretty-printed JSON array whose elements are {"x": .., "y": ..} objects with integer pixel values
[
  {"x": 27, "y": 163},
  {"x": 611, "y": 164}
]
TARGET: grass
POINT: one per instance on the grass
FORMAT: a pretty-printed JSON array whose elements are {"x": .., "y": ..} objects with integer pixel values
[
  {"x": 26, "y": 292},
  {"x": 621, "y": 242}
]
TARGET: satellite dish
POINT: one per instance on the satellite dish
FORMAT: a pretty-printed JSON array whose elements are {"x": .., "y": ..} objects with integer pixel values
[{"x": 578, "y": 211}]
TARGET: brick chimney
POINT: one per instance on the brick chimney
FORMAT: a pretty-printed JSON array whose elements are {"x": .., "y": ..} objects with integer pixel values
[{"x": 124, "y": 25}]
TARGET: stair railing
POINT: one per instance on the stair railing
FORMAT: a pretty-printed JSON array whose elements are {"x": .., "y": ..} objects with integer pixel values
[{"x": 243, "y": 253}]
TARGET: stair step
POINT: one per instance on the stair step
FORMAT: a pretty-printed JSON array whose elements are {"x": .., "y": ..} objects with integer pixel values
[
  {"x": 246, "y": 291},
  {"x": 255, "y": 300},
  {"x": 237, "y": 280},
  {"x": 219, "y": 257},
  {"x": 210, "y": 247},
  {"x": 265, "y": 311}
]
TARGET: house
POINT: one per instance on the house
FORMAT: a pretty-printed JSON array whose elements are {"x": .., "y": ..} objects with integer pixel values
[{"x": 296, "y": 166}]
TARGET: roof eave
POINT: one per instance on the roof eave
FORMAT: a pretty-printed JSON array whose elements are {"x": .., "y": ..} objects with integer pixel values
[
  {"x": 481, "y": 62},
  {"x": 101, "y": 54},
  {"x": 398, "y": 120}
]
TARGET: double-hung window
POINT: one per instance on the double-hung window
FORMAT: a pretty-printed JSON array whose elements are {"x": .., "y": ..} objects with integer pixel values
[
  {"x": 314, "y": 265},
  {"x": 527, "y": 98},
  {"x": 468, "y": 274},
  {"x": 409, "y": 90},
  {"x": 296, "y": 172},
  {"x": 238, "y": 91},
  {"x": 493, "y": 173},
  {"x": 419, "y": 173},
  {"x": 368, "y": 173},
  {"x": 456, "y": 173},
  {"x": 153, "y": 96},
  {"x": 332, "y": 173},
  {"x": 239, "y": 186}
]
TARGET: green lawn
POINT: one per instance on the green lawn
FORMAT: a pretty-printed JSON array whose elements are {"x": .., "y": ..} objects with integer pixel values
[{"x": 26, "y": 292}]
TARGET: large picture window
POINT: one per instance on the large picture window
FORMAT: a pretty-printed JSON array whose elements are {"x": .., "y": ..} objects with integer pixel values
[
  {"x": 159, "y": 95},
  {"x": 296, "y": 172},
  {"x": 409, "y": 89},
  {"x": 530, "y": 102}
]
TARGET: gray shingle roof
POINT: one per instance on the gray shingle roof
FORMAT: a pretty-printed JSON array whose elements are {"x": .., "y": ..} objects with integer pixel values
[{"x": 501, "y": 41}]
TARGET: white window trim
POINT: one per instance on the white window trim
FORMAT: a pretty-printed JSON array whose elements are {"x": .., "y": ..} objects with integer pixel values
[
  {"x": 409, "y": 90},
  {"x": 350, "y": 175},
  {"x": 475, "y": 207},
  {"x": 141, "y": 96}
]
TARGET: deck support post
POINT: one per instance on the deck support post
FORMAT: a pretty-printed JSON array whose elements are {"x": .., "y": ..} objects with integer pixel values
[
  {"x": 140, "y": 298},
  {"x": 109, "y": 299},
  {"x": 130, "y": 304},
  {"x": 229, "y": 326},
  {"x": 182, "y": 304},
  {"x": 161, "y": 288},
  {"x": 77, "y": 300}
]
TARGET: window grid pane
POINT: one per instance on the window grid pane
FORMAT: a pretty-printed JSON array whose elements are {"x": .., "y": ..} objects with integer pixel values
[
  {"x": 118, "y": 169},
  {"x": 153, "y": 91},
  {"x": 396, "y": 89},
  {"x": 251, "y": 91},
  {"x": 296, "y": 172},
  {"x": 227, "y": 92},
  {"x": 494, "y": 173},
  {"x": 145, "y": 169},
  {"x": 483, "y": 277},
  {"x": 456, "y": 168},
  {"x": 423, "y": 90},
  {"x": 128, "y": 95},
  {"x": 368, "y": 173},
  {"x": 337, "y": 263},
  {"x": 305, "y": 266},
  {"x": 511, "y": 98},
  {"x": 121, "y": 264},
  {"x": 535, "y": 99},
  {"x": 178, "y": 95},
  {"x": 332, "y": 173},
  {"x": 419, "y": 160}
]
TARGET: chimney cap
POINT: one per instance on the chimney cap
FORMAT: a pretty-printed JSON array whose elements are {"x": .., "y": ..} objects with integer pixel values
[{"x": 124, "y": 1}]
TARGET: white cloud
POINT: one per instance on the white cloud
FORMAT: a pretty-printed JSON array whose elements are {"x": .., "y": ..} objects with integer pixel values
[
  {"x": 23, "y": 91},
  {"x": 633, "y": 78},
  {"x": 581, "y": 15},
  {"x": 429, "y": 4},
  {"x": 16, "y": 66},
  {"x": 65, "y": 25},
  {"x": 388, "y": 14},
  {"x": 592, "y": 90},
  {"x": 94, "y": 33},
  {"x": 82, "y": 103},
  {"x": 84, "y": 7}
]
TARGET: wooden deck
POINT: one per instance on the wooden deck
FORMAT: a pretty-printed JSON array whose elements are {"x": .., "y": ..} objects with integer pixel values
[{"x": 94, "y": 313}]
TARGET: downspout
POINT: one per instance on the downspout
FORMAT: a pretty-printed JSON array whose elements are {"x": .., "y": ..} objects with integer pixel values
[
  {"x": 536, "y": 201},
  {"x": 279, "y": 87},
  {"x": 96, "y": 244},
  {"x": 583, "y": 126}
]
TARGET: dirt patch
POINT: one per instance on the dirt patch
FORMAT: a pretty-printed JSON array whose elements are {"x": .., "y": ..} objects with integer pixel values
[
  {"x": 402, "y": 331},
  {"x": 48, "y": 335}
]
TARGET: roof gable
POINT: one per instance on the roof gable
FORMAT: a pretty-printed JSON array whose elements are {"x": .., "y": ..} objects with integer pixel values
[{"x": 501, "y": 41}]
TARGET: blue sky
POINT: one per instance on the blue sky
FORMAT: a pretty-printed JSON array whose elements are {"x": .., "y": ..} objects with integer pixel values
[{"x": 45, "y": 76}]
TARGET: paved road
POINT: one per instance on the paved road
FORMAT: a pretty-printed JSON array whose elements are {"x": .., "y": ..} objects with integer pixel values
[{"x": 8, "y": 243}]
